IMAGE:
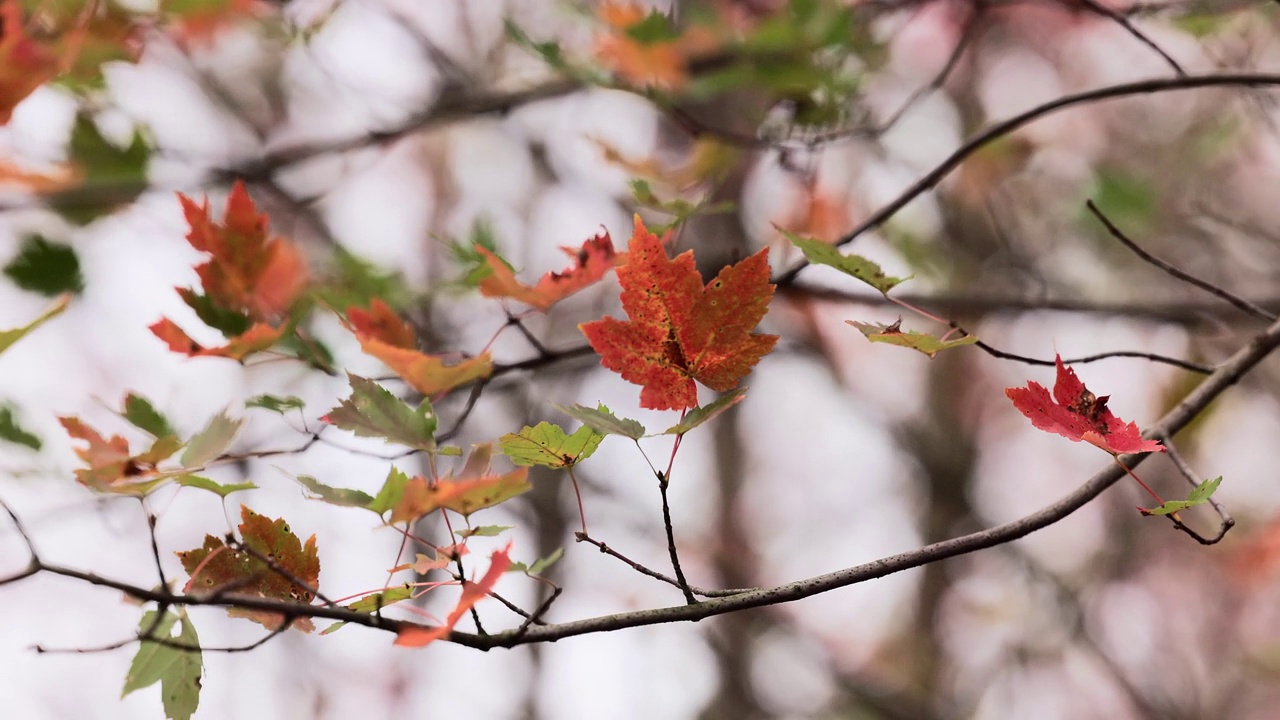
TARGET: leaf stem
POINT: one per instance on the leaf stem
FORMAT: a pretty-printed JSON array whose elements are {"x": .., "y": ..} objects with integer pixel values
[{"x": 582, "y": 514}]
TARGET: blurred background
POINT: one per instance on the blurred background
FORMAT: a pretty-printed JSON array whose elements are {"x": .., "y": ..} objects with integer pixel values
[{"x": 377, "y": 133}]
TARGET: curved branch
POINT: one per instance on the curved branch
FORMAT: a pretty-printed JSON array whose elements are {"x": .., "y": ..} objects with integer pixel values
[{"x": 1000, "y": 129}]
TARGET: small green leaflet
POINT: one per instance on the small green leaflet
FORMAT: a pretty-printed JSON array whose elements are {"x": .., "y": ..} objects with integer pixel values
[
  {"x": 391, "y": 492},
  {"x": 539, "y": 566},
  {"x": 483, "y": 531},
  {"x": 217, "y": 488},
  {"x": 893, "y": 335},
  {"x": 546, "y": 444},
  {"x": 699, "y": 415},
  {"x": 177, "y": 671},
  {"x": 45, "y": 267},
  {"x": 857, "y": 266},
  {"x": 9, "y": 337},
  {"x": 1199, "y": 495},
  {"x": 11, "y": 431},
  {"x": 211, "y": 442},
  {"x": 372, "y": 411},
  {"x": 275, "y": 403},
  {"x": 373, "y": 603},
  {"x": 113, "y": 176},
  {"x": 226, "y": 321},
  {"x": 143, "y": 415},
  {"x": 336, "y": 496},
  {"x": 603, "y": 421}
]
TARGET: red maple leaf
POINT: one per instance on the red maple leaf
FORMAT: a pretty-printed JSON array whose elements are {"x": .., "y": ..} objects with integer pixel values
[
  {"x": 592, "y": 261},
  {"x": 1074, "y": 412},
  {"x": 472, "y": 593},
  {"x": 679, "y": 331}
]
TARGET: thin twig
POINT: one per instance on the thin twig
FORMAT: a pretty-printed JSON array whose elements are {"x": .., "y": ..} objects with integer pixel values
[
  {"x": 1224, "y": 516},
  {"x": 683, "y": 584},
  {"x": 1176, "y": 272},
  {"x": 643, "y": 570},
  {"x": 1153, "y": 357},
  {"x": 994, "y": 132},
  {"x": 1130, "y": 28}
]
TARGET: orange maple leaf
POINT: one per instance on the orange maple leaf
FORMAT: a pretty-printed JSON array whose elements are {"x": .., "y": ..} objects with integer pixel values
[
  {"x": 257, "y": 338},
  {"x": 1075, "y": 413},
  {"x": 249, "y": 271},
  {"x": 592, "y": 261},
  {"x": 472, "y": 593},
  {"x": 462, "y": 495},
  {"x": 56, "y": 179},
  {"x": 112, "y": 468},
  {"x": 680, "y": 331},
  {"x": 661, "y": 62},
  {"x": 384, "y": 336},
  {"x": 250, "y": 277}
]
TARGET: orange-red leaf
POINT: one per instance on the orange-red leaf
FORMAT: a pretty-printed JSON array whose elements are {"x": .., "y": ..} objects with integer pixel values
[
  {"x": 25, "y": 64},
  {"x": 679, "y": 331},
  {"x": 256, "y": 339},
  {"x": 592, "y": 261},
  {"x": 385, "y": 336},
  {"x": 111, "y": 467},
  {"x": 659, "y": 62},
  {"x": 382, "y": 323},
  {"x": 462, "y": 495},
  {"x": 1075, "y": 413},
  {"x": 472, "y": 593},
  {"x": 249, "y": 271}
]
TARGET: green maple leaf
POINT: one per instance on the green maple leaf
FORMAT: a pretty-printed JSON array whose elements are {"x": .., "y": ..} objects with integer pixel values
[
  {"x": 372, "y": 411},
  {"x": 177, "y": 670},
  {"x": 547, "y": 444}
]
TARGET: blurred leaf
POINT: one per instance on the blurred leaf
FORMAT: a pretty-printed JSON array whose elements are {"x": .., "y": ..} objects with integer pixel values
[
  {"x": 9, "y": 337},
  {"x": 539, "y": 566},
  {"x": 228, "y": 322},
  {"x": 113, "y": 176},
  {"x": 45, "y": 267},
  {"x": 373, "y": 603},
  {"x": 602, "y": 420},
  {"x": 275, "y": 403},
  {"x": 344, "y": 497},
  {"x": 208, "y": 444},
  {"x": 1129, "y": 201},
  {"x": 12, "y": 432},
  {"x": 894, "y": 335},
  {"x": 217, "y": 488},
  {"x": 699, "y": 415},
  {"x": 353, "y": 281},
  {"x": 143, "y": 415},
  {"x": 483, "y": 531},
  {"x": 856, "y": 266}
]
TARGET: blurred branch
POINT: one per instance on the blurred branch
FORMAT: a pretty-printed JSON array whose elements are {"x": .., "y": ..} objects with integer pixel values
[
  {"x": 1005, "y": 127},
  {"x": 1124, "y": 22},
  {"x": 1176, "y": 272}
]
